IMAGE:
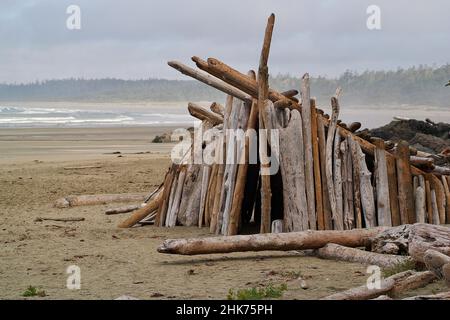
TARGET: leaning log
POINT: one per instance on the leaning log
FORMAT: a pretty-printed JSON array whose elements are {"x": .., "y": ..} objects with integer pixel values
[
  {"x": 143, "y": 212},
  {"x": 269, "y": 242},
  {"x": 209, "y": 80},
  {"x": 342, "y": 253}
]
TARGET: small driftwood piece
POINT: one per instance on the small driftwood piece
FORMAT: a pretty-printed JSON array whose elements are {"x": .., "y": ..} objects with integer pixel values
[
  {"x": 125, "y": 209},
  {"x": 90, "y": 200},
  {"x": 40, "y": 219},
  {"x": 269, "y": 242},
  {"x": 82, "y": 167},
  {"x": 342, "y": 253},
  {"x": 367, "y": 197}
]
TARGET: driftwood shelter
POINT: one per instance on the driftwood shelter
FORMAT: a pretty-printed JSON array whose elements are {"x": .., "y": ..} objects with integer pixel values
[
  {"x": 330, "y": 175},
  {"x": 272, "y": 171}
]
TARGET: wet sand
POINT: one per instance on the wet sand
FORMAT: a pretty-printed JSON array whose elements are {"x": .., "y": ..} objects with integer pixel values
[{"x": 114, "y": 261}]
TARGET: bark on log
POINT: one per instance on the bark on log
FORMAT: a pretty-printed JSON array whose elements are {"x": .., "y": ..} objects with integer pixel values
[
  {"x": 308, "y": 146},
  {"x": 342, "y": 253},
  {"x": 143, "y": 212},
  {"x": 382, "y": 185},
  {"x": 269, "y": 242},
  {"x": 209, "y": 80},
  {"x": 405, "y": 187},
  {"x": 90, "y": 200}
]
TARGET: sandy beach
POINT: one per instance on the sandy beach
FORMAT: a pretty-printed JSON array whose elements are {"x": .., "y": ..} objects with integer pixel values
[{"x": 114, "y": 261}]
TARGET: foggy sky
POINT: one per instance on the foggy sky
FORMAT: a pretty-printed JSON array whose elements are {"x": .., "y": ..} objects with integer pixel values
[{"x": 133, "y": 39}]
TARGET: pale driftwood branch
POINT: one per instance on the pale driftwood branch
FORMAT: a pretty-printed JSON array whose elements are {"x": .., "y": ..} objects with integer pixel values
[
  {"x": 338, "y": 252},
  {"x": 90, "y": 200},
  {"x": 382, "y": 185},
  {"x": 39, "y": 219},
  {"x": 209, "y": 80},
  {"x": 269, "y": 242}
]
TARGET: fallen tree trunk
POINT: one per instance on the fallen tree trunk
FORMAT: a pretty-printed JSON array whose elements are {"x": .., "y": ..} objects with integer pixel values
[
  {"x": 90, "y": 200},
  {"x": 276, "y": 242},
  {"x": 338, "y": 252},
  {"x": 143, "y": 212}
]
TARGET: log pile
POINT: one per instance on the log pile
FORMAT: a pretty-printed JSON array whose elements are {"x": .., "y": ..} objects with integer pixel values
[{"x": 267, "y": 155}]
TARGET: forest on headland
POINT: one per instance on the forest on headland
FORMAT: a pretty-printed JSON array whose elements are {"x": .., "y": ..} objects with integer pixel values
[{"x": 422, "y": 85}]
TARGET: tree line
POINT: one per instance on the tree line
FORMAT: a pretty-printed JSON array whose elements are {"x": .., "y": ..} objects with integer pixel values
[{"x": 422, "y": 85}]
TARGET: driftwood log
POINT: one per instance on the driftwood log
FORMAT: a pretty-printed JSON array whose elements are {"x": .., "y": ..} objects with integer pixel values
[
  {"x": 272, "y": 242},
  {"x": 393, "y": 285},
  {"x": 338, "y": 252},
  {"x": 90, "y": 200}
]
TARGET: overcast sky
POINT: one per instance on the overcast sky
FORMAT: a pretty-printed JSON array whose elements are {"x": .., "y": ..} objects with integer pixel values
[{"x": 133, "y": 39}]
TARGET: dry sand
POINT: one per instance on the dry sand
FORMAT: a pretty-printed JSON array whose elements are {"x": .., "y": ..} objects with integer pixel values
[{"x": 114, "y": 261}]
